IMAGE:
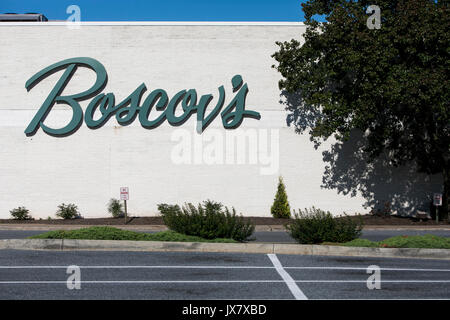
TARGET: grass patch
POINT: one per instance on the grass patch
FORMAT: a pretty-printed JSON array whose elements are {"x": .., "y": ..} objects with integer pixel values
[
  {"x": 426, "y": 241},
  {"x": 110, "y": 233}
]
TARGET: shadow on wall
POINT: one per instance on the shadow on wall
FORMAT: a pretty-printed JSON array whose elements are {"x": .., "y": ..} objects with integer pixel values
[{"x": 400, "y": 190}]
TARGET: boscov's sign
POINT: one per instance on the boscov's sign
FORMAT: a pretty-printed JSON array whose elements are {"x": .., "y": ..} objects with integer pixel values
[{"x": 127, "y": 110}]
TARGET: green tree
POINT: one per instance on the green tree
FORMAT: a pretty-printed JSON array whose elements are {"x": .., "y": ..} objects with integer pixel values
[
  {"x": 280, "y": 207},
  {"x": 390, "y": 83}
]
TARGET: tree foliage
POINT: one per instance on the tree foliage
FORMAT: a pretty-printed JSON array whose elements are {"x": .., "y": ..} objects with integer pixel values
[{"x": 391, "y": 83}]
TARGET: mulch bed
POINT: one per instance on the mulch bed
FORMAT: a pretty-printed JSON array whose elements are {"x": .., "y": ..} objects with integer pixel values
[
  {"x": 374, "y": 220},
  {"x": 369, "y": 220}
]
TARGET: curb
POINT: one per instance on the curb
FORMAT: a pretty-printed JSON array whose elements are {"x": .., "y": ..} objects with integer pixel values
[{"x": 166, "y": 246}]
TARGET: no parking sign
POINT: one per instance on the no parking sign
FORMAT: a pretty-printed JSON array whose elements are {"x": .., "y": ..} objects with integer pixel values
[
  {"x": 124, "y": 194},
  {"x": 437, "y": 199}
]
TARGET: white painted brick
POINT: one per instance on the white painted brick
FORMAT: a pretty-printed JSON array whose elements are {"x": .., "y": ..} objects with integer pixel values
[{"x": 88, "y": 167}]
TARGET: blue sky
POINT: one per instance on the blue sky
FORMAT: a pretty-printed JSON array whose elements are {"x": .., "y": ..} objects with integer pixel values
[{"x": 163, "y": 10}]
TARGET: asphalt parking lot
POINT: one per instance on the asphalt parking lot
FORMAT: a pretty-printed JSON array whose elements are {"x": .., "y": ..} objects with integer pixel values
[{"x": 203, "y": 276}]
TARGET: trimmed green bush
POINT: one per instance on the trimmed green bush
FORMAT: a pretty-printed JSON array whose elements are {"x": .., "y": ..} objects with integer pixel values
[
  {"x": 209, "y": 220},
  {"x": 115, "y": 207},
  {"x": 280, "y": 207},
  {"x": 21, "y": 213},
  {"x": 68, "y": 211},
  {"x": 316, "y": 226}
]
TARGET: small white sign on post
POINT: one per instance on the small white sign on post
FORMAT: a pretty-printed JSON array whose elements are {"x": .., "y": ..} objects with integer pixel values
[
  {"x": 124, "y": 194},
  {"x": 437, "y": 199}
]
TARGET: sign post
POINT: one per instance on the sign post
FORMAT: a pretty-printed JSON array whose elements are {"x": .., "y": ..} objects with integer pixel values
[
  {"x": 124, "y": 195},
  {"x": 437, "y": 202}
]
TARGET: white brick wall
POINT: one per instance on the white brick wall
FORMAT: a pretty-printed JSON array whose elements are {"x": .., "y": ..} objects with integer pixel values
[{"x": 88, "y": 167}]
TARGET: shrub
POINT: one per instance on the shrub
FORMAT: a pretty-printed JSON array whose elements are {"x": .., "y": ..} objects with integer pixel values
[
  {"x": 68, "y": 211},
  {"x": 21, "y": 213},
  {"x": 280, "y": 207},
  {"x": 115, "y": 208},
  {"x": 111, "y": 233},
  {"x": 209, "y": 220},
  {"x": 317, "y": 226}
]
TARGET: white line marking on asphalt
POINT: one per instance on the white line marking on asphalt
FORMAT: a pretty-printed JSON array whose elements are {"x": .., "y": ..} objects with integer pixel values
[
  {"x": 144, "y": 281},
  {"x": 221, "y": 281},
  {"x": 140, "y": 267},
  {"x": 220, "y": 267},
  {"x": 295, "y": 290},
  {"x": 365, "y": 268}
]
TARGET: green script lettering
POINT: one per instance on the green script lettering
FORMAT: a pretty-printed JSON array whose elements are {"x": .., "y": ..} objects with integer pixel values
[{"x": 131, "y": 107}]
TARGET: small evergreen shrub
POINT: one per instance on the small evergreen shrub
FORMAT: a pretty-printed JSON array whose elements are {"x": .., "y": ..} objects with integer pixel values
[
  {"x": 280, "y": 207},
  {"x": 68, "y": 211},
  {"x": 115, "y": 207},
  {"x": 21, "y": 213},
  {"x": 209, "y": 220},
  {"x": 317, "y": 226}
]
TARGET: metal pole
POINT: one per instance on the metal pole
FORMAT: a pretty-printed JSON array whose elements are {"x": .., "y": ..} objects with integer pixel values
[
  {"x": 125, "y": 206},
  {"x": 437, "y": 214}
]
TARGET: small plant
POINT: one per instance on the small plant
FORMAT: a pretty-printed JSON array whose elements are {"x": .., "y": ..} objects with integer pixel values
[
  {"x": 317, "y": 226},
  {"x": 21, "y": 213},
  {"x": 209, "y": 220},
  {"x": 68, "y": 211},
  {"x": 115, "y": 208},
  {"x": 280, "y": 207}
]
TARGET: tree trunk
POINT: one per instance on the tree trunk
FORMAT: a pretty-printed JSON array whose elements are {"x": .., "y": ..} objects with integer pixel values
[{"x": 445, "y": 205}]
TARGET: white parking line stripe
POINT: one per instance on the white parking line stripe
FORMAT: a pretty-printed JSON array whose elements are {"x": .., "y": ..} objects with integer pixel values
[
  {"x": 222, "y": 281},
  {"x": 139, "y": 267},
  {"x": 145, "y": 281},
  {"x": 295, "y": 290},
  {"x": 365, "y": 268},
  {"x": 220, "y": 267}
]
